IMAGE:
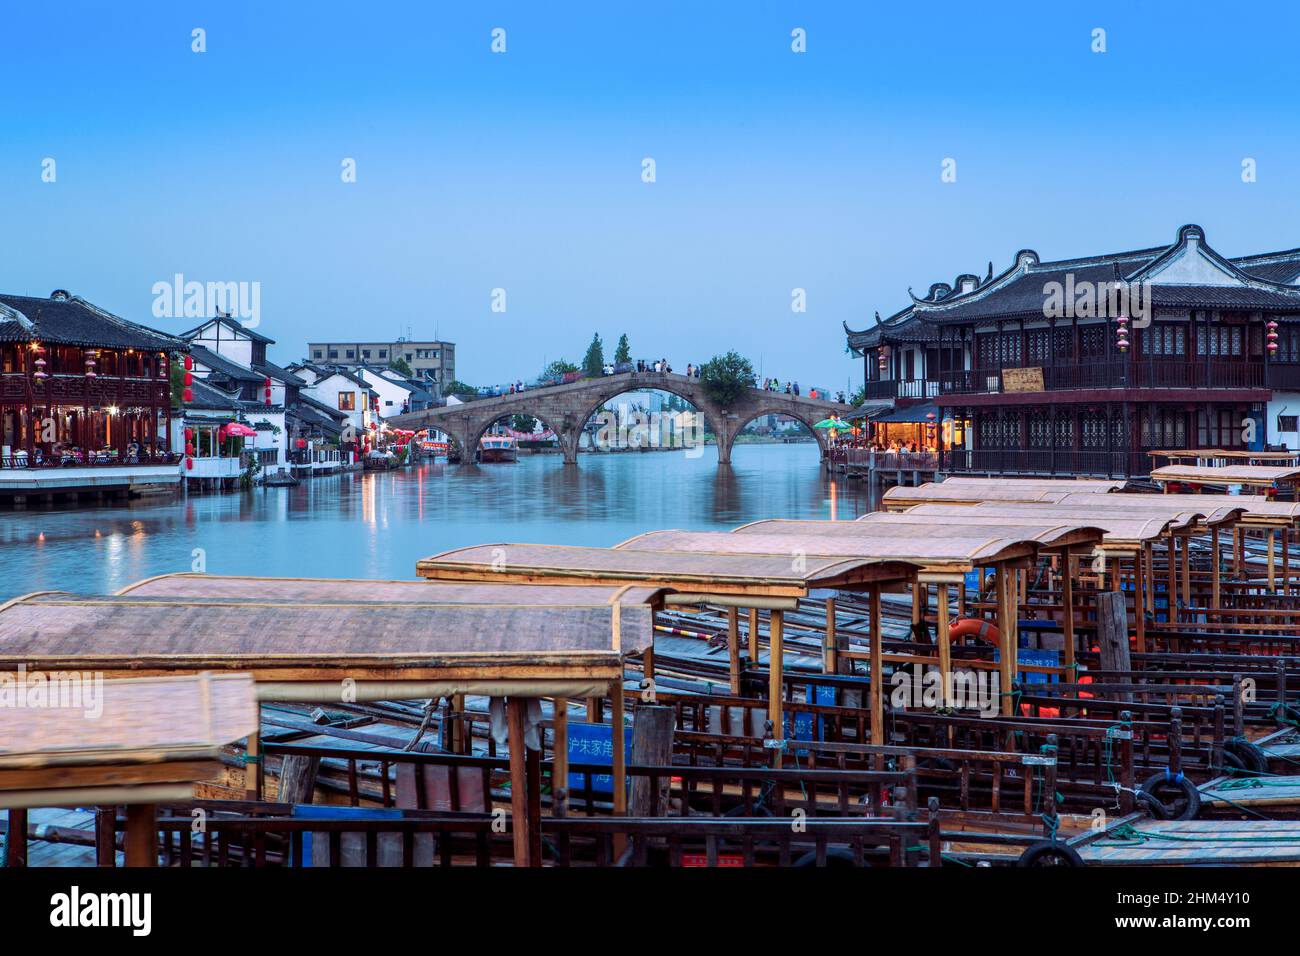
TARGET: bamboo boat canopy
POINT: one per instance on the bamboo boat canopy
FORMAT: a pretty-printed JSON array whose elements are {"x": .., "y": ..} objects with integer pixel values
[
  {"x": 1253, "y": 475},
  {"x": 945, "y": 552},
  {"x": 700, "y": 575},
  {"x": 877, "y": 524},
  {"x": 185, "y": 584},
  {"x": 120, "y": 741},
  {"x": 1068, "y": 485},
  {"x": 1211, "y": 509},
  {"x": 901, "y": 497},
  {"x": 305, "y": 649},
  {"x": 1118, "y": 528},
  {"x": 1250, "y": 509}
]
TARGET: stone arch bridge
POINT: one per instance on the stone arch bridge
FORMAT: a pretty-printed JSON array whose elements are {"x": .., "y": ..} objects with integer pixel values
[{"x": 566, "y": 409}]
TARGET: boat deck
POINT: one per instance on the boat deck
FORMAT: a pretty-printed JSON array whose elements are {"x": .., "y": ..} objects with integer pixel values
[{"x": 1198, "y": 842}]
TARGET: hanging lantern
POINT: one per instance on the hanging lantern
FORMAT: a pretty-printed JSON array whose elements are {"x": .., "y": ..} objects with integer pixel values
[
  {"x": 189, "y": 464},
  {"x": 91, "y": 355},
  {"x": 189, "y": 363},
  {"x": 266, "y": 383},
  {"x": 882, "y": 357},
  {"x": 187, "y": 395},
  {"x": 189, "y": 379},
  {"x": 301, "y": 443},
  {"x": 1121, "y": 333},
  {"x": 1271, "y": 337},
  {"x": 39, "y": 364}
]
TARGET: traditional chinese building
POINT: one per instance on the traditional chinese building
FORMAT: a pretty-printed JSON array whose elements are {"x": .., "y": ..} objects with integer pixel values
[
  {"x": 1084, "y": 366},
  {"x": 81, "y": 387}
]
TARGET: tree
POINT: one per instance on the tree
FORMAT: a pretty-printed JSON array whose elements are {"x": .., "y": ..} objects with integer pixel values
[
  {"x": 623, "y": 353},
  {"x": 176, "y": 365},
  {"x": 457, "y": 387},
  {"x": 399, "y": 365},
  {"x": 557, "y": 370},
  {"x": 725, "y": 377},
  {"x": 523, "y": 423},
  {"x": 593, "y": 363}
]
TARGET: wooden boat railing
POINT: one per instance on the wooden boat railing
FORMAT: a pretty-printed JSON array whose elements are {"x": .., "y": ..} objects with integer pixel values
[{"x": 479, "y": 840}]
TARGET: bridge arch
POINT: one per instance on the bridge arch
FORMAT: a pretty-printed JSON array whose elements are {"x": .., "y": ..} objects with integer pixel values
[
  {"x": 696, "y": 396},
  {"x": 487, "y": 423},
  {"x": 789, "y": 410}
]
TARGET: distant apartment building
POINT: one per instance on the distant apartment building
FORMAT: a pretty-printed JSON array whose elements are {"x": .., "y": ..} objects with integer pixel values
[{"x": 435, "y": 361}]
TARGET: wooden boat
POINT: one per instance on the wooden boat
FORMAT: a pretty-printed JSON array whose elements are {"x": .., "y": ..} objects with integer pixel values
[{"x": 494, "y": 448}]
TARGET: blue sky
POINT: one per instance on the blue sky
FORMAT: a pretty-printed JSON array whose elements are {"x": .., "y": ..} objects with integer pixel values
[{"x": 522, "y": 170}]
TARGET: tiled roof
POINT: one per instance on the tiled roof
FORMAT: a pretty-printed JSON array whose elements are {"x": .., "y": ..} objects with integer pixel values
[
  {"x": 230, "y": 323},
  {"x": 209, "y": 396},
  {"x": 71, "y": 320},
  {"x": 219, "y": 363},
  {"x": 284, "y": 375}
]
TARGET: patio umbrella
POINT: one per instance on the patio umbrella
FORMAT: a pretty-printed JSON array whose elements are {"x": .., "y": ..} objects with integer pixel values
[
  {"x": 240, "y": 430},
  {"x": 830, "y": 423}
]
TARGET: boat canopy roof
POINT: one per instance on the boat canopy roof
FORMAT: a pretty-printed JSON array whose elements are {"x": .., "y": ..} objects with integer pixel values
[
  {"x": 1124, "y": 530},
  {"x": 301, "y": 648},
  {"x": 1253, "y": 475},
  {"x": 738, "y": 576},
  {"x": 931, "y": 553},
  {"x": 138, "y": 740},
  {"x": 1069, "y": 485},
  {"x": 885, "y": 524},
  {"x": 185, "y": 584}
]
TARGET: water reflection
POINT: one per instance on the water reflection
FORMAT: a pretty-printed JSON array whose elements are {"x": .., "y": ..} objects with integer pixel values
[{"x": 378, "y": 524}]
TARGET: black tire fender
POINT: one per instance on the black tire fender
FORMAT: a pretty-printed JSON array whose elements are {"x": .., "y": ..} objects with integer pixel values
[
  {"x": 1167, "y": 781},
  {"x": 1050, "y": 853}
]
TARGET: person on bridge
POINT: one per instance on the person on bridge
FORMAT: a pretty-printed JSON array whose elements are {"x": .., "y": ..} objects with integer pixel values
[{"x": 690, "y": 370}]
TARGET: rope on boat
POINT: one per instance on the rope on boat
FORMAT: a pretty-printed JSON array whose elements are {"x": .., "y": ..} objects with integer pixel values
[{"x": 1128, "y": 835}]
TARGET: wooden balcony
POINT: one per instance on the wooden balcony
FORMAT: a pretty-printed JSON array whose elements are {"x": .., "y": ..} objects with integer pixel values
[
  {"x": 1143, "y": 373},
  {"x": 1051, "y": 462}
]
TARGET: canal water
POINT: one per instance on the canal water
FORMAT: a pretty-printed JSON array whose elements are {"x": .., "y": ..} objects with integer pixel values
[{"x": 378, "y": 524}]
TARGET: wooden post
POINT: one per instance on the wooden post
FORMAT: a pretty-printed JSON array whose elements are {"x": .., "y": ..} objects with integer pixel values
[
  {"x": 1067, "y": 615},
  {"x": 1172, "y": 575},
  {"x": 620, "y": 749},
  {"x": 753, "y": 637},
  {"x": 1112, "y": 635},
  {"x": 1139, "y": 604},
  {"x": 16, "y": 838},
  {"x": 733, "y": 649},
  {"x": 652, "y": 746},
  {"x": 944, "y": 646},
  {"x": 518, "y": 781},
  {"x": 1214, "y": 568},
  {"x": 297, "y": 778},
  {"x": 1187, "y": 570},
  {"x": 253, "y": 762},
  {"x": 105, "y": 836},
  {"x": 1272, "y": 549},
  {"x": 559, "y": 756},
  {"x": 1007, "y": 656},
  {"x": 648, "y": 665},
  {"x": 830, "y": 660},
  {"x": 775, "y": 672},
  {"x": 460, "y": 736},
  {"x": 877, "y": 670},
  {"x": 141, "y": 835}
]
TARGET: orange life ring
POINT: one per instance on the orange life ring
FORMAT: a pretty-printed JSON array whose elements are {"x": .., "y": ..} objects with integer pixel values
[{"x": 973, "y": 626}]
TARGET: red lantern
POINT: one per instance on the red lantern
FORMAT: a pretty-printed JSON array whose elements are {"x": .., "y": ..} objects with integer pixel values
[
  {"x": 189, "y": 464},
  {"x": 1121, "y": 333},
  {"x": 1271, "y": 337},
  {"x": 189, "y": 379},
  {"x": 187, "y": 396},
  {"x": 189, "y": 434},
  {"x": 301, "y": 443},
  {"x": 189, "y": 363}
]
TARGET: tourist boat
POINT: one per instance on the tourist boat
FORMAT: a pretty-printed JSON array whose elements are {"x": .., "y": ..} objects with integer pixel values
[{"x": 497, "y": 448}]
